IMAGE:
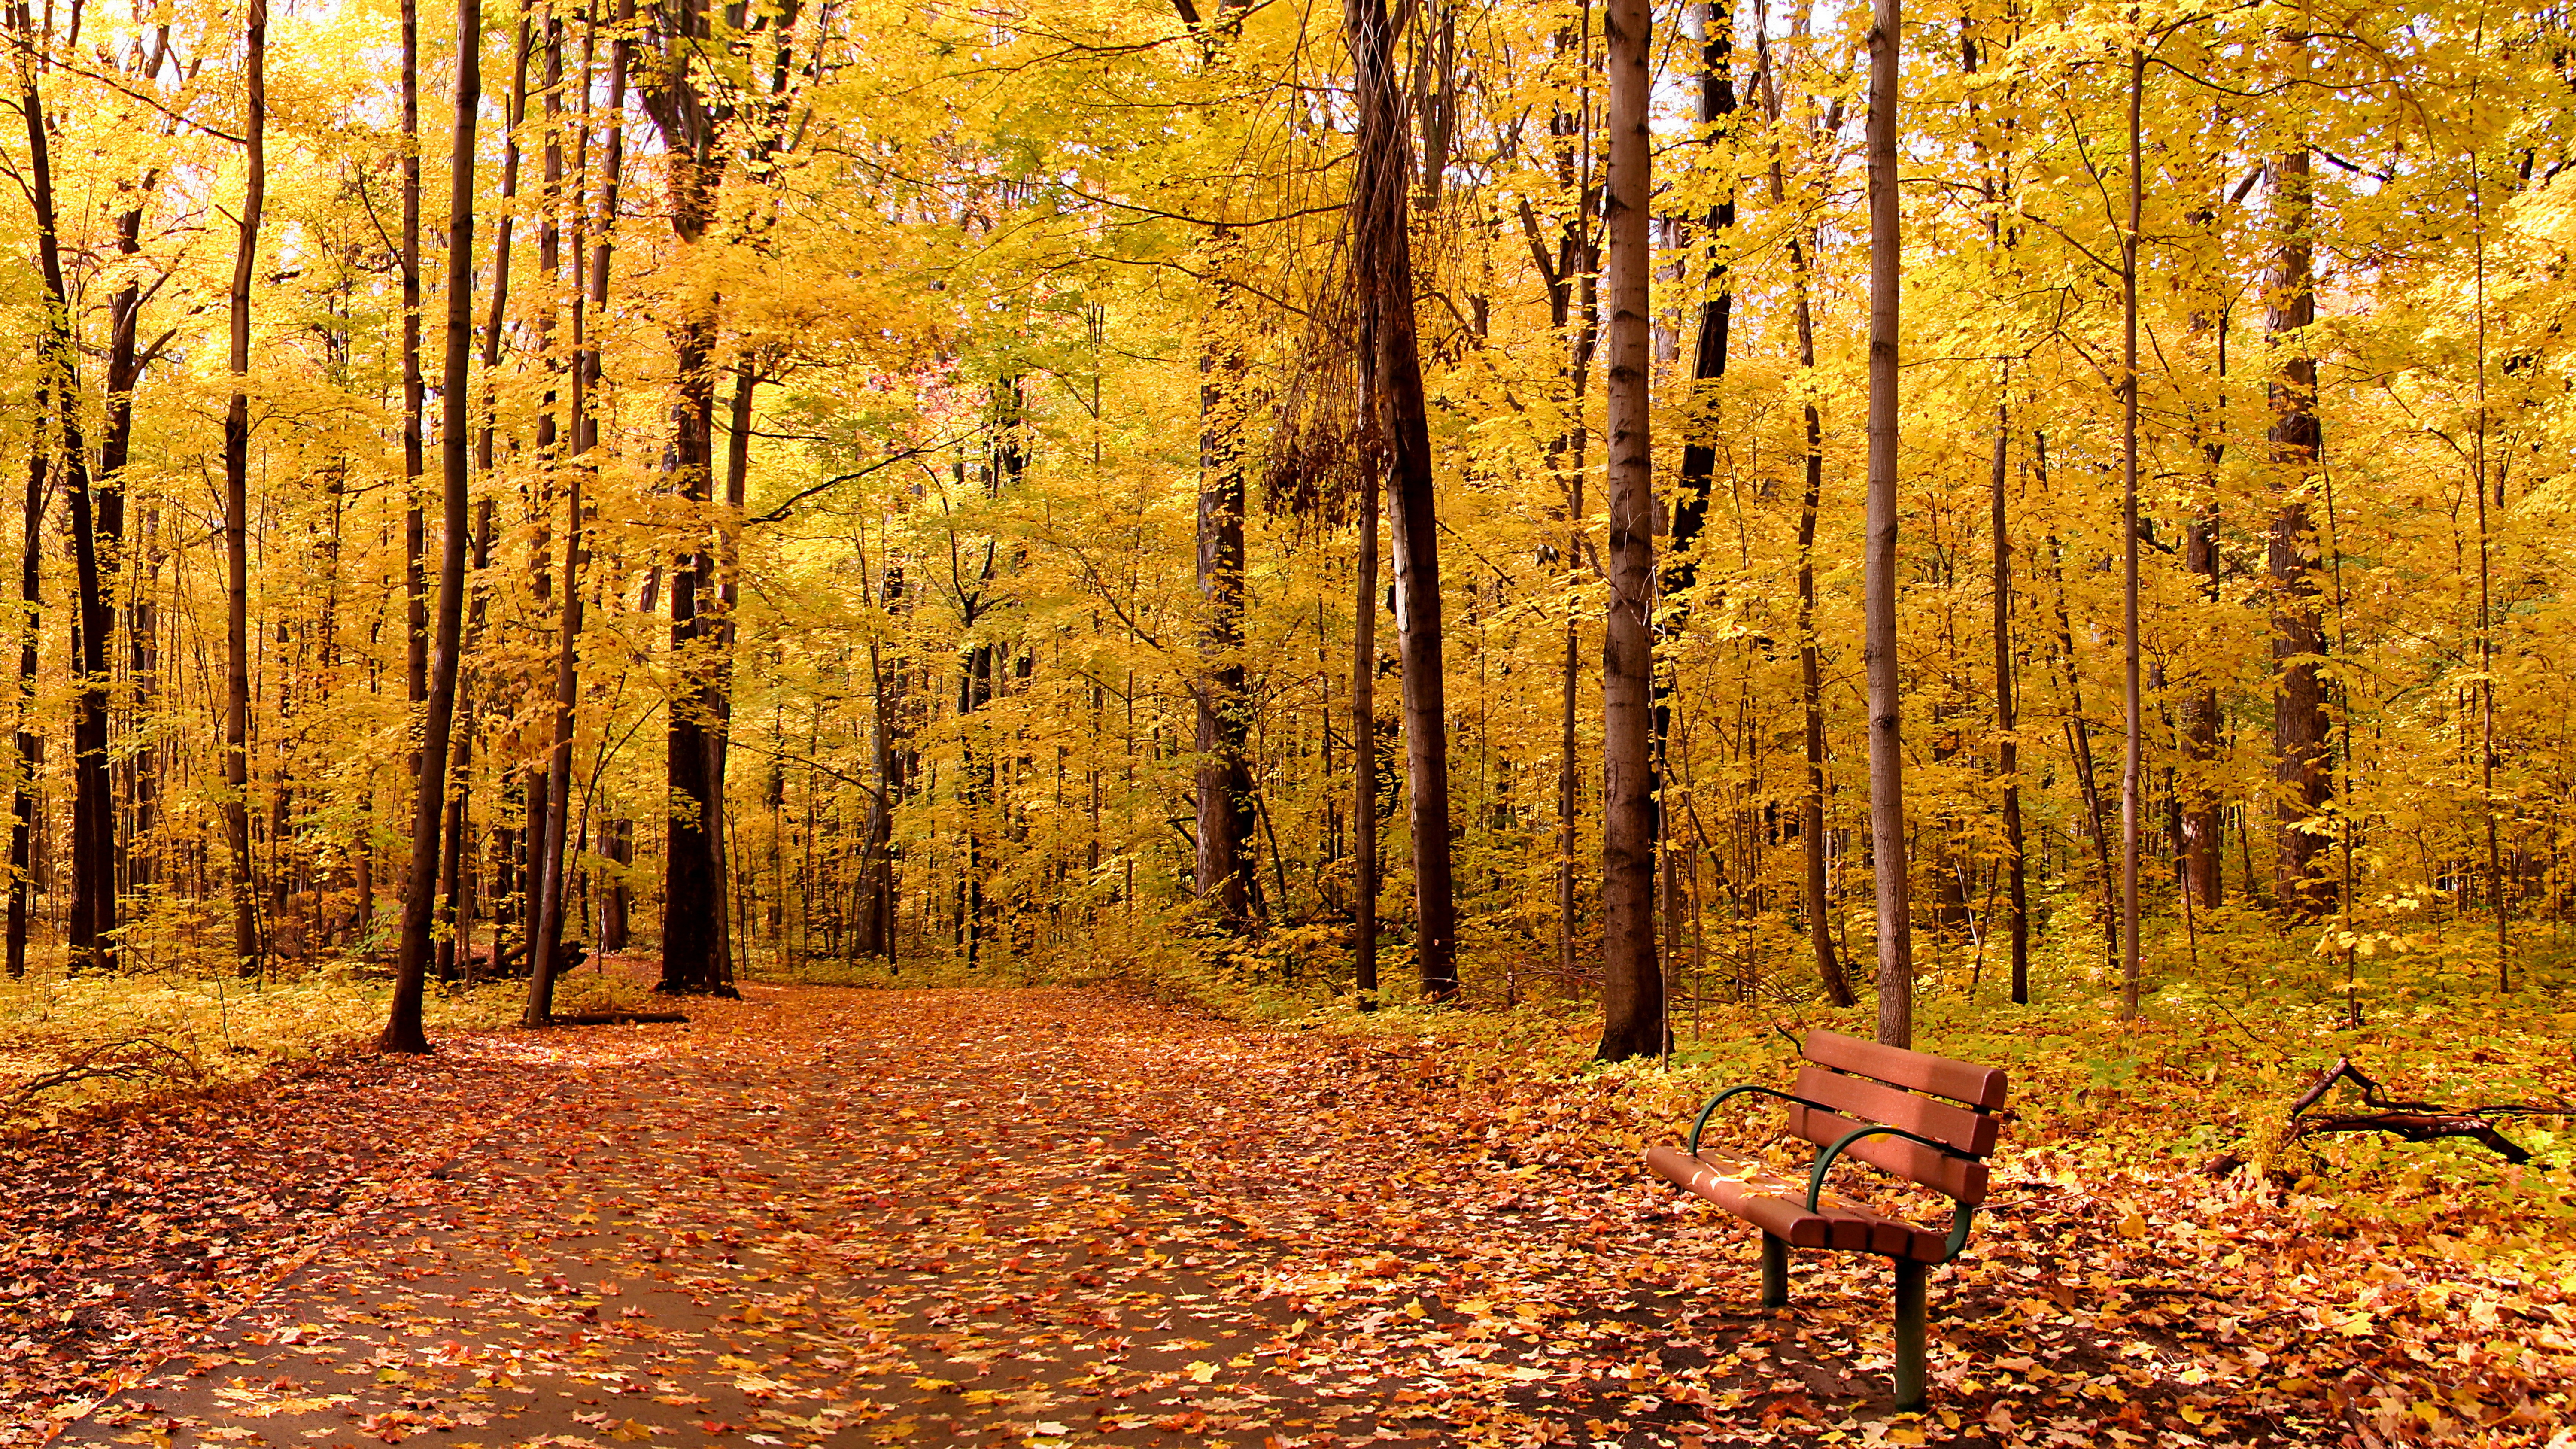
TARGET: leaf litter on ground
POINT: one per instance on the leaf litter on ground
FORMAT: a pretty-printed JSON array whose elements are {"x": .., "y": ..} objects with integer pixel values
[{"x": 1048, "y": 1216}]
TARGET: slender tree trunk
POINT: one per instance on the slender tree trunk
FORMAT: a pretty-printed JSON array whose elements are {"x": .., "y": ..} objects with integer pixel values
[
  {"x": 22, "y": 817},
  {"x": 246, "y": 941},
  {"x": 2133, "y": 697},
  {"x": 1886, "y": 738},
  {"x": 1224, "y": 783},
  {"x": 415, "y": 388},
  {"x": 1816, "y": 903},
  {"x": 1699, "y": 448},
  {"x": 116, "y": 441},
  {"x": 1383, "y": 247},
  {"x": 1574, "y": 299},
  {"x": 1364, "y": 753},
  {"x": 2007, "y": 721},
  {"x": 403, "y": 1030},
  {"x": 1632, "y": 996},
  {"x": 2204, "y": 820},
  {"x": 90, "y": 930},
  {"x": 2486, "y": 625},
  {"x": 589, "y": 303},
  {"x": 2299, "y": 722}
]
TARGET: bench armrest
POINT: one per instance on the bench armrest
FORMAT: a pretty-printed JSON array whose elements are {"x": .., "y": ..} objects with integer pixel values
[
  {"x": 1700, "y": 1123},
  {"x": 1825, "y": 1161}
]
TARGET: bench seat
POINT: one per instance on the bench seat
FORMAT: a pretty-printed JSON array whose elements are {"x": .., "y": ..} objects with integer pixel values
[{"x": 1778, "y": 1207}]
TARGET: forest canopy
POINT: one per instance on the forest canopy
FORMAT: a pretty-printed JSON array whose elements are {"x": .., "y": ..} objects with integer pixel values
[{"x": 1679, "y": 502}]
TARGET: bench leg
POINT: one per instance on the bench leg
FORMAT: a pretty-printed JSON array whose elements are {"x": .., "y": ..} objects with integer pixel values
[
  {"x": 1775, "y": 1271},
  {"x": 1909, "y": 1335}
]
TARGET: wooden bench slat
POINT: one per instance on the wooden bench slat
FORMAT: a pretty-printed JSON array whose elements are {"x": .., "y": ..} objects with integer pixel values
[
  {"x": 1941, "y": 1076},
  {"x": 1780, "y": 1208},
  {"x": 1863, "y": 1099},
  {"x": 1957, "y": 1176}
]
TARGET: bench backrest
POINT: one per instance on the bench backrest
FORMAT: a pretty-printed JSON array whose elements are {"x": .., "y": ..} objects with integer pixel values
[{"x": 1951, "y": 1102}]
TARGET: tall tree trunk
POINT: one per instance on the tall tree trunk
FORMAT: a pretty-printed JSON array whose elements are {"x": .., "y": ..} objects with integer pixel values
[
  {"x": 746, "y": 380},
  {"x": 124, "y": 368},
  {"x": 589, "y": 305},
  {"x": 2007, "y": 721},
  {"x": 403, "y": 1030},
  {"x": 2502, "y": 903},
  {"x": 693, "y": 935},
  {"x": 1699, "y": 447},
  {"x": 1886, "y": 738},
  {"x": 1632, "y": 989},
  {"x": 2133, "y": 696},
  {"x": 2203, "y": 819},
  {"x": 415, "y": 389},
  {"x": 90, "y": 932},
  {"x": 22, "y": 816},
  {"x": 1224, "y": 782},
  {"x": 1811, "y": 690},
  {"x": 1364, "y": 754},
  {"x": 246, "y": 940},
  {"x": 1383, "y": 252},
  {"x": 1573, "y": 314},
  {"x": 2299, "y": 725}
]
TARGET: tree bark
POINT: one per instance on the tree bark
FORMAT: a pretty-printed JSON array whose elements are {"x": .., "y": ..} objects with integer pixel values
[
  {"x": 415, "y": 388},
  {"x": 403, "y": 1030},
  {"x": 1699, "y": 449},
  {"x": 2203, "y": 821},
  {"x": 246, "y": 938},
  {"x": 1886, "y": 739},
  {"x": 1364, "y": 755},
  {"x": 589, "y": 303},
  {"x": 2133, "y": 697},
  {"x": 1632, "y": 992},
  {"x": 22, "y": 817},
  {"x": 89, "y": 934},
  {"x": 693, "y": 937},
  {"x": 2301, "y": 768},
  {"x": 2007, "y": 720},
  {"x": 1224, "y": 783},
  {"x": 1383, "y": 251}
]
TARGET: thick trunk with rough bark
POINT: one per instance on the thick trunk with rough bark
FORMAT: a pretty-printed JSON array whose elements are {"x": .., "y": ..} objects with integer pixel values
[
  {"x": 693, "y": 900},
  {"x": 1632, "y": 987},
  {"x": 1383, "y": 256}
]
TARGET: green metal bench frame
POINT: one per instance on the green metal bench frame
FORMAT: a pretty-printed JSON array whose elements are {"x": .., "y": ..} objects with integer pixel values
[{"x": 1911, "y": 1315}]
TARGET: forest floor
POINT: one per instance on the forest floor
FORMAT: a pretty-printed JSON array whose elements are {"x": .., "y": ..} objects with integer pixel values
[{"x": 1049, "y": 1217}]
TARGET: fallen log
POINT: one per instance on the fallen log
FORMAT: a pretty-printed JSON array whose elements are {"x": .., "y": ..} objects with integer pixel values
[
  {"x": 617, "y": 1018},
  {"x": 2414, "y": 1121}
]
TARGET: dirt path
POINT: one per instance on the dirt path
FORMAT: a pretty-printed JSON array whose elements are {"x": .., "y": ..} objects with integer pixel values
[
  {"x": 1042, "y": 1218},
  {"x": 932, "y": 1218}
]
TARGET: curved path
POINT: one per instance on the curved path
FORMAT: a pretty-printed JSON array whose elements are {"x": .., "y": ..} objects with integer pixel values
[
  {"x": 962, "y": 1217},
  {"x": 1049, "y": 1217}
]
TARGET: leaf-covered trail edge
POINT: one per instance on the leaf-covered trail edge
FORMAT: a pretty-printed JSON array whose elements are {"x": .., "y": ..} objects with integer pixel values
[{"x": 1393, "y": 1237}]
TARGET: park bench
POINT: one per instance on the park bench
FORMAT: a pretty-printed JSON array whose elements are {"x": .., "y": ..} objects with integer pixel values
[{"x": 1929, "y": 1120}]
